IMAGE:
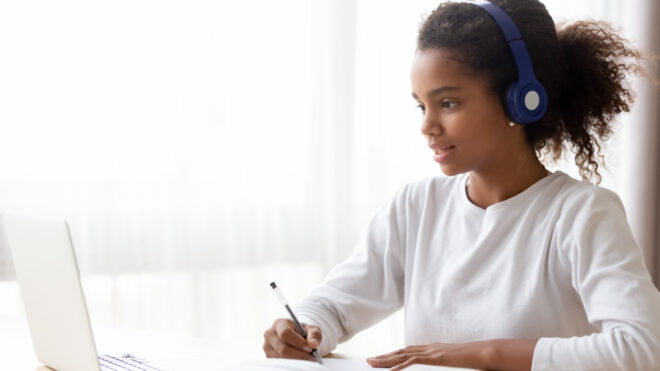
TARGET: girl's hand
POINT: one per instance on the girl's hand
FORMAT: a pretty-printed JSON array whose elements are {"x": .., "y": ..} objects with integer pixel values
[
  {"x": 469, "y": 355},
  {"x": 509, "y": 354},
  {"x": 282, "y": 340}
]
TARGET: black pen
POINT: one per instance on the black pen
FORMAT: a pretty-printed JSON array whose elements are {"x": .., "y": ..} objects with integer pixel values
[{"x": 299, "y": 327}]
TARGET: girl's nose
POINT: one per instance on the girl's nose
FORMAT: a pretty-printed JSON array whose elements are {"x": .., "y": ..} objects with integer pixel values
[{"x": 430, "y": 125}]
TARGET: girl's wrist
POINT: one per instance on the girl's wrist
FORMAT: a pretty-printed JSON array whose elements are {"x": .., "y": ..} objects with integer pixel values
[
  {"x": 487, "y": 355},
  {"x": 510, "y": 354}
]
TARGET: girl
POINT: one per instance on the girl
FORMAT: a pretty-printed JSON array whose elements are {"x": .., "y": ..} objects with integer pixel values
[{"x": 502, "y": 264}]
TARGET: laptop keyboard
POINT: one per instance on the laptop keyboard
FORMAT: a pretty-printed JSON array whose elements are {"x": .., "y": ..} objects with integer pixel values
[{"x": 124, "y": 362}]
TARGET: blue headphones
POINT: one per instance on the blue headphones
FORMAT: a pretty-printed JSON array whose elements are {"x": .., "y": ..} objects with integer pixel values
[{"x": 526, "y": 100}]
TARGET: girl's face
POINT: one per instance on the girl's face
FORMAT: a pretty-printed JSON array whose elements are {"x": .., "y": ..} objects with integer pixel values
[{"x": 462, "y": 120}]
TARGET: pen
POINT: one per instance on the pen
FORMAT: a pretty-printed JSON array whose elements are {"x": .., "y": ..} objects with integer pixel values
[{"x": 299, "y": 327}]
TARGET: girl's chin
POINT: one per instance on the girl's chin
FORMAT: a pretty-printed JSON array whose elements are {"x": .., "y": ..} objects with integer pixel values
[{"x": 451, "y": 170}]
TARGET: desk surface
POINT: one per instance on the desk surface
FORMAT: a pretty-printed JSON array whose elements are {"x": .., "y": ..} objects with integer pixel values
[{"x": 18, "y": 353}]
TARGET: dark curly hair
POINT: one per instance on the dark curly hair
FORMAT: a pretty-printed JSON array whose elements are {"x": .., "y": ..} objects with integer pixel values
[{"x": 583, "y": 67}]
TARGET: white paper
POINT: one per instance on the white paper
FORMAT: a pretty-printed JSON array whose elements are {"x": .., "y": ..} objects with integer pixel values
[
  {"x": 348, "y": 364},
  {"x": 329, "y": 364}
]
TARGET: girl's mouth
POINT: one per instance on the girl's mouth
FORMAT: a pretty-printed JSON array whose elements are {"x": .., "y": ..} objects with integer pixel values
[{"x": 442, "y": 154}]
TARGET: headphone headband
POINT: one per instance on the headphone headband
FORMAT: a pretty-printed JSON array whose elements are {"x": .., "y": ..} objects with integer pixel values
[{"x": 526, "y": 99}]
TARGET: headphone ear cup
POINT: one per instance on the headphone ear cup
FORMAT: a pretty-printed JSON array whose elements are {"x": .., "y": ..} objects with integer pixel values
[
  {"x": 533, "y": 100},
  {"x": 526, "y": 104}
]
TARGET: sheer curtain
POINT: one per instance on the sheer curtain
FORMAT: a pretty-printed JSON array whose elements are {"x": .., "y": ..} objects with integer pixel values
[
  {"x": 201, "y": 149},
  {"x": 641, "y": 174},
  {"x": 198, "y": 149}
]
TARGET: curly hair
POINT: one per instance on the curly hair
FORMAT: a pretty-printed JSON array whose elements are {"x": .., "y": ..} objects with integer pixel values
[{"x": 584, "y": 67}]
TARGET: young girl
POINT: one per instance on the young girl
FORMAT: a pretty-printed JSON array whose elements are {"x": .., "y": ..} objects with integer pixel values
[{"x": 502, "y": 264}]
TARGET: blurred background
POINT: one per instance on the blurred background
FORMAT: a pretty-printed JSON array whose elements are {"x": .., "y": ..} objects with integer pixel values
[{"x": 202, "y": 149}]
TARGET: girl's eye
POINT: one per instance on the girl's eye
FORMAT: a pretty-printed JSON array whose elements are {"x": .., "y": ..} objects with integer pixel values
[
  {"x": 449, "y": 104},
  {"x": 422, "y": 108}
]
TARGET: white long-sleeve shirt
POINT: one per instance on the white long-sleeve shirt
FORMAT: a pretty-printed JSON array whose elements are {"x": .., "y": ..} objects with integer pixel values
[{"x": 557, "y": 263}]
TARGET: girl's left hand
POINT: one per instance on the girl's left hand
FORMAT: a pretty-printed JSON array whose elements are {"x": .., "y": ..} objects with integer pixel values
[{"x": 468, "y": 355}]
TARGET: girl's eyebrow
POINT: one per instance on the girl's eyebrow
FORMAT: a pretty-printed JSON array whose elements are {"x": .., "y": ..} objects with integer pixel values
[{"x": 438, "y": 91}]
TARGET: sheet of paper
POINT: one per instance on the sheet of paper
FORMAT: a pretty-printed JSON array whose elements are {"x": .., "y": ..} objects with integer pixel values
[
  {"x": 329, "y": 364},
  {"x": 348, "y": 364}
]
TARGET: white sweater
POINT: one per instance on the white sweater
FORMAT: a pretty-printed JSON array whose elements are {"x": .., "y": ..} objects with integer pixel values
[{"x": 556, "y": 262}]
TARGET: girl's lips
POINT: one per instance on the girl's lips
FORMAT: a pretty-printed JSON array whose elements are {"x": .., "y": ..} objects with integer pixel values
[
  {"x": 443, "y": 149},
  {"x": 442, "y": 154}
]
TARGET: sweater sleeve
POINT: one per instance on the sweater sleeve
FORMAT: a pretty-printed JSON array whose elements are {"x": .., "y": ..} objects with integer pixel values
[
  {"x": 367, "y": 287},
  {"x": 608, "y": 274}
]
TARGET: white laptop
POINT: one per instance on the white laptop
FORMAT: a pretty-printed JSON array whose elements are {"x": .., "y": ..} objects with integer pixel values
[{"x": 55, "y": 307}]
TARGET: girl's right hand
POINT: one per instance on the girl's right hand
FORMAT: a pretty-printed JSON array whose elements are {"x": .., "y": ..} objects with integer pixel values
[{"x": 282, "y": 340}]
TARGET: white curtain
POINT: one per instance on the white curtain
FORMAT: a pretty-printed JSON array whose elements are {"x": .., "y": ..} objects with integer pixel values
[
  {"x": 200, "y": 149},
  {"x": 640, "y": 173}
]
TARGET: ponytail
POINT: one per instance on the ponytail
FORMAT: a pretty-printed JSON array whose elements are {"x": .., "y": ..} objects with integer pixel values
[{"x": 595, "y": 63}]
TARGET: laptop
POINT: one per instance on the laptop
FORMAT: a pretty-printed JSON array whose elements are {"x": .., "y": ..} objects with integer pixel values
[{"x": 54, "y": 302}]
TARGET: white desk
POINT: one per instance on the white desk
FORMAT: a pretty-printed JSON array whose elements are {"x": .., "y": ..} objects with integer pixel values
[{"x": 17, "y": 353}]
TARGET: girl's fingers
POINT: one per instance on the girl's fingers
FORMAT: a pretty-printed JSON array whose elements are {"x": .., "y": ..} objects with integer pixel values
[
  {"x": 409, "y": 350},
  {"x": 399, "y": 357},
  {"x": 286, "y": 331},
  {"x": 284, "y": 350},
  {"x": 389, "y": 361},
  {"x": 409, "y": 362},
  {"x": 283, "y": 341},
  {"x": 274, "y": 347}
]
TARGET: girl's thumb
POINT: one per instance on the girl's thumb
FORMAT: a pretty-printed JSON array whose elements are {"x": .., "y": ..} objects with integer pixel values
[{"x": 314, "y": 336}]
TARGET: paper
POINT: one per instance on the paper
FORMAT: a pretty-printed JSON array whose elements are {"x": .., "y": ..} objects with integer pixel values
[
  {"x": 348, "y": 364},
  {"x": 329, "y": 364}
]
